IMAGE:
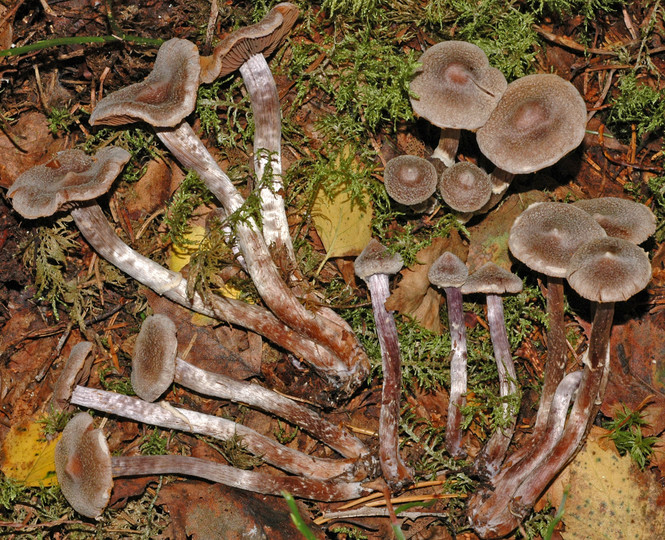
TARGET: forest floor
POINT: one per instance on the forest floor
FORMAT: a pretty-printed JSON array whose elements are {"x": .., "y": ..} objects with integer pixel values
[{"x": 343, "y": 78}]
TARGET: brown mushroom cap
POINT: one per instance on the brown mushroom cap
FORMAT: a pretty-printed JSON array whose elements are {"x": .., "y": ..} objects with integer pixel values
[
  {"x": 69, "y": 176},
  {"x": 153, "y": 361},
  {"x": 410, "y": 180},
  {"x": 465, "y": 187},
  {"x": 164, "y": 98},
  {"x": 376, "y": 259},
  {"x": 621, "y": 218},
  {"x": 448, "y": 271},
  {"x": 545, "y": 236},
  {"x": 263, "y": 37},
  {"x": 455, "y": 86},
  {"x": 539, "y": 119},
  {"x": 609, "y": 270},
  {"x": 492, "y": 279},
  {"x": 83, "y": 466}
]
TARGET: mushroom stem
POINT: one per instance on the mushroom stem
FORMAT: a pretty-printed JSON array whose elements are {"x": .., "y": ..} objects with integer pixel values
[
  {"x": 264, "y": 98},
  {"x": 458, "y": 375},
  {"x": 494, "y": 452},
  {"x": 498, "y": 518},
  {"x": 446, "y": 150},
  {"x": 95, "y": 228},
  {"x": 351, "y": 365},
  {"x": 166, "y": 416},
  {"x": 257, "y": 482},
  {"x": 223, "y": 387},
  {"x": 395, "y": 472},
  {"x": 501, "y": 181}
]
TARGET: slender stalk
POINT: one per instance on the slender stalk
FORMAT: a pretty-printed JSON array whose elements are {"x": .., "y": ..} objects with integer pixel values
[
  {"x": 267, "y": 157},
  {"x": 257, "y": 482},
  {"x": 348, "y": 365},
  {"x": 166, "y": 416},
  {"x": 395, "y": 472},
  {"x": 458, "y": 369},
  {"x": 446, "y": 150}
]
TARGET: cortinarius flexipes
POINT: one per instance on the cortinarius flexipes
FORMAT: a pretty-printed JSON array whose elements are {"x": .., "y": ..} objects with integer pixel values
[
  {"x": 85, "y": 471},
  {"x": 163, "y": 100}
]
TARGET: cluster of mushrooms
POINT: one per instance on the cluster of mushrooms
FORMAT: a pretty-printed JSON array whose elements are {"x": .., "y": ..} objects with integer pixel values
[{"x": 520, "y": 127}]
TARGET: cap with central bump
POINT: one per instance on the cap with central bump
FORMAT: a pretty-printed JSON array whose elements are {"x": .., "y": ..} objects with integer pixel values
[
  {"x": 410, "y": 180},
  {"x": 465, "y": 187}
]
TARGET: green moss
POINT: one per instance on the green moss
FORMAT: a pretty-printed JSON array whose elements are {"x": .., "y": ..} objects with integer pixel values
[
  {"x": 626, "y": 433},
  {"x": 191, "y": 194},
  {"x": 638, "y": 105}
]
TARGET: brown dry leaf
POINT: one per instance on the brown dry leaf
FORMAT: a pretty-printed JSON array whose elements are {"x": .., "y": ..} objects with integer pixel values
[
  {"x": 414, "y": 296},
  {"x": 489, "y": 238},
  {"x": 153, "y": 188},
  {"x": 26, "y": 456},
  {"x": 609, "y": 497}
]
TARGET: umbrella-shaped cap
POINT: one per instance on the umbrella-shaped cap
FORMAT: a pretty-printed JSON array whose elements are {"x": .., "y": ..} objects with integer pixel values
[
  {"x": 69, "y": 176},
  {"x": 539, "y": 119},
  {"x": 609, "y": 270},
  {"x": 376, "y": 259},
  {"x": 410, "y": 180},
  {"x": 455, "y": 86},
  {"x": 164, "y": 98},
  {"x": 465, "y": 187},
  {"x": 492, "y": 279},
  {"x": 622, "y": 218},
  {"x": 448, "y": 271},
  {"x": 545, "y": 236}
]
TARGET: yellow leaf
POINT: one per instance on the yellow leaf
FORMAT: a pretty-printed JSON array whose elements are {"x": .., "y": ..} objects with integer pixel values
[
  {"x": 609, "y": 497},
  {"x": 27, "y": 457}
]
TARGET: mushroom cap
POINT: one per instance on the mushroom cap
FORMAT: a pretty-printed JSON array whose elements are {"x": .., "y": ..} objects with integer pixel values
[
  {"x": 621, "y": 218},
  {"x": 163, "y": 98},
  {"x": 410, "y": 180},
  {"x": 492, "y": 279},
  {"x": 545, "y": 236},
  {"x": 153, "y": 361},
  {"x": 69, "y": 176},
  {"x": 76, "y": 367},
  {"x": 465, "y": 187},
  {"x": 539, "y": 119},
  {"x": 260, "y": 38},
  {"x": 376, "y": 259},
  {"x": 609, "y": 270},
  {"x": 448, "y": 271},
  {"x": 455, "y": 86},
  {"x": 83, "y": 466}
]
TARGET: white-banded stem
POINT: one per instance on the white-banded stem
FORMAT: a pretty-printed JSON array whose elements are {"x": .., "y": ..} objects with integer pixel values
[{"x": 166, "y": 416}]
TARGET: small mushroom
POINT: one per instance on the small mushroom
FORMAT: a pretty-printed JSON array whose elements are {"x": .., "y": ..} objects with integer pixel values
[
  {"x": 621, "y": 218},
  {"x": 455, "y": 88},
  {"x": 342, "y": 361},
  {"x": 85, "y": 471},
  {"x": 449, "y": 273},
  {"x": 539, "y": 119},
  {"x": 410, "y": 180},
  {"x": 465, "y": 187},
  {"x": 246, "y": 49},
  {"x": 493, "y": 281},
  {"x": 155, "y": 366},
  {"x": 167, "y": 416},
  {"x": 374, "y": 266},
  {"x": 76, "y": 369}
]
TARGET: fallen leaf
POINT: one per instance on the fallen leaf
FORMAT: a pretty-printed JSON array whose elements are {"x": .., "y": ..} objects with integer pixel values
[
  {"x": 414, "y": 296},
  {"x": 608, "y": 494},
  {"x": 26, "y": 456}
]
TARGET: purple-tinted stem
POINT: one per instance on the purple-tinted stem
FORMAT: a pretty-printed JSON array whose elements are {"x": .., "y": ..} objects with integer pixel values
[
  {"x": 257, "y": 482},
  {"x": 458, "y": 372},
  {"x": 395, "y": 472},
  {"x": 494, "y": 452}
]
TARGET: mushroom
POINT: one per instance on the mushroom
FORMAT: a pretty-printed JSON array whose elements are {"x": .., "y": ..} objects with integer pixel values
[
  {"x": 155, "y": 366},
  {"x": 493, "y": 281},
  {"x": 449, "y": 273},
  {"x": 544, "y": 237},
  {"x": 454, "y": 89},
  {"x": 169, "y": 417},
  {"x": 246, "y": 49},
  {"x": 72, "y": 179},
  {"x": 85, "y": 471},
  {"x": 373, "y": 266},
  {"x": 342, "y": 361},
  {"x": 77, "y": 367},
  {"x": 410, "y": 180},
  {"x": 621, "y": 218},
  {"x": 465, "y": 187},
  {"x": 539, "y": 119},
  {"x": 604, "y": 271}
]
